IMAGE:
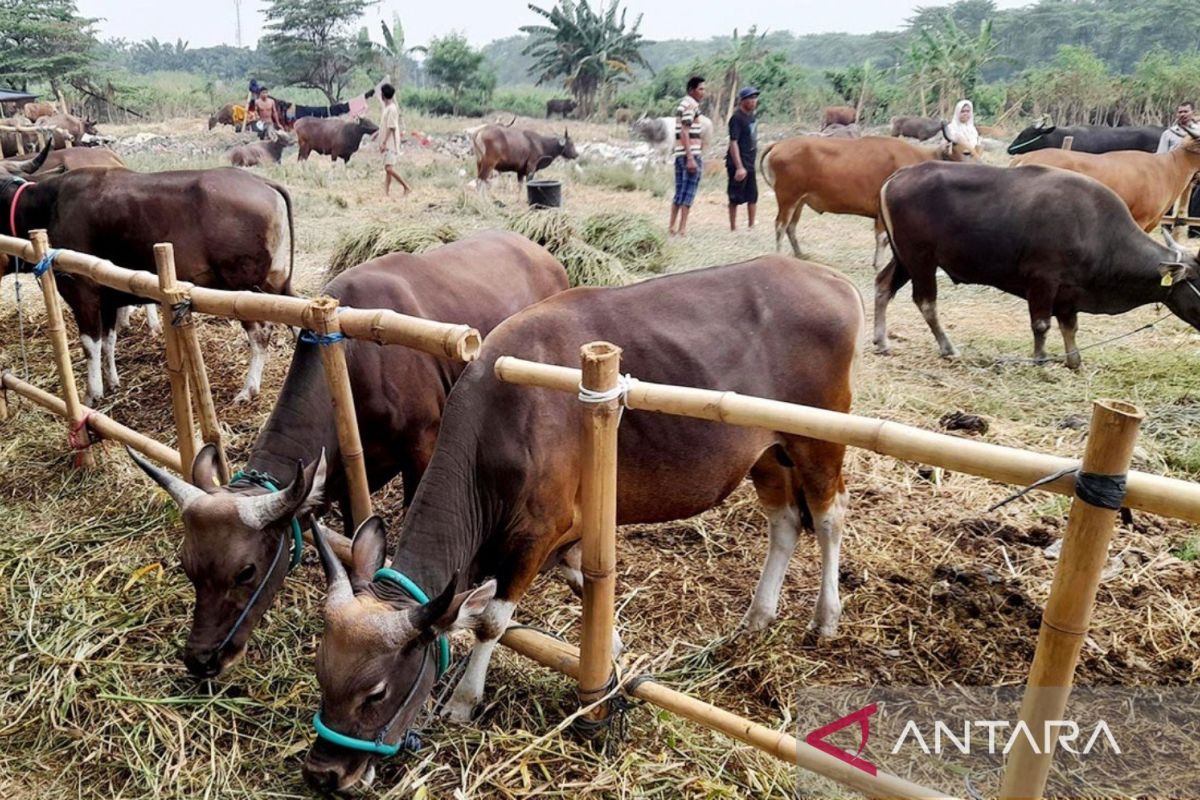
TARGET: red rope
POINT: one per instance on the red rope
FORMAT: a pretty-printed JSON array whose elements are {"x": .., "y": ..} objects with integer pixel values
[
  {"x": 12, "y": 209},
  {"x": 79, "y": 437}
]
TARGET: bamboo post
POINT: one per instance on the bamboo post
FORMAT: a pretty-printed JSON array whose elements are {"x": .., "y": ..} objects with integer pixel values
[
  {"x": 333, "y": 357},
  {"x": 601, "y": 370},
  {"x": 77, "y": 428},
  {"x": 20, "y": 137},
  {"x": 1110, "y": 442},
  {"x": 1179, "y": 232},
  {"x": 1068, "y": 142},
  {"x": 173, "y": 293},
  {"x": 181, "y": 390}
]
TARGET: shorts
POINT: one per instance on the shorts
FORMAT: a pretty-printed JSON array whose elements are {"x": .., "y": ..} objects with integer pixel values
[
  {"x": 687, "y": 184},
  {"x": 389, "y": 158},
  {"x": 745, "y": 191}
]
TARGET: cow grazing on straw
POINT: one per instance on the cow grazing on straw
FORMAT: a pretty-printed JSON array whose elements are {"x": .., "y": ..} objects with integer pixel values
[
  {"x": 232, "y": 534},
  {"x": 499, "y": 502}
]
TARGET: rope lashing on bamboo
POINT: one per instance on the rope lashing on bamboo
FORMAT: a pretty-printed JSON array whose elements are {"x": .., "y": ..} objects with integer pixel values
[
  {"x": 321, "y": 339},
  {"x": 1102, "y": 491},
  {"x": 40, "y": 268},
  {"x": 180, "y": 311},
  {"x": 619, "y": 392},
  {"x": 79, "y": 437},
  {"x": 615, "y": 724}
]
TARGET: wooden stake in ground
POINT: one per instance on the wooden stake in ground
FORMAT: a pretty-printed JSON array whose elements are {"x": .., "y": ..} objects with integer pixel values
[
  {"x": 1110, "y": 442},
  {"x": 1068, "y": 143},
  {"x": 181, "y": 389},
  {"x": 332, "y": 345},
  {"x": 77, "y": 431},
  {"x": 598, "y": 500}
]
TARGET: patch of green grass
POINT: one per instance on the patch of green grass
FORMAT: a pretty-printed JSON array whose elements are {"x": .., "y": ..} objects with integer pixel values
[{"x": 1188, "y": 550}]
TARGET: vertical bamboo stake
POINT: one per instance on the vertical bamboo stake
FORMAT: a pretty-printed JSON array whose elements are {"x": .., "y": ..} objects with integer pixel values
[
  {"x": 1068, "y": 142},
  {"x": 193, "y": 362},
  {"x": 181, "y": 389},
  {"x": 1110, "y": 442},
  {"x": 76, "y": 421},
  {"x": 333, "y": 357},
  {"x": 3, "y": 401},
  {"x": 20, "y": 142},
  {"x": 1180, "y": 232},
  {"x": 598, "y": 498}
]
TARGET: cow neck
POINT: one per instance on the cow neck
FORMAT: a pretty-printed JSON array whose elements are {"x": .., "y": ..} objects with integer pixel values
[
  {"x": 446, "y": 525},
  {"x": 300, "y": 425}
]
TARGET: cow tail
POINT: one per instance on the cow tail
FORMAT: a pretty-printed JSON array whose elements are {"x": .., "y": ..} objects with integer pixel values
[
  {"x": 900, "y": 275},
  {"x": 287, "y": 202},
  {"x": 764, "y": 166}
]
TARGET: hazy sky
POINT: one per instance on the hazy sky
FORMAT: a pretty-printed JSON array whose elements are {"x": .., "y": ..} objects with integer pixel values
[{"x": 208, "y": 22}]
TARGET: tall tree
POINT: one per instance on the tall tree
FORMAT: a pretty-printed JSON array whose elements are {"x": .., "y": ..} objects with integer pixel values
[
  {"x": 43, "y": 40},
  {"x": 452, "y": 63},
  {"x": 312, "y": 42},
  {"x": 591, "y": 52}
]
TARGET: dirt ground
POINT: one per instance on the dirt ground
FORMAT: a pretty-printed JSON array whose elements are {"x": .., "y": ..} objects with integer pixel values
[{"x": 936, "y": 591}]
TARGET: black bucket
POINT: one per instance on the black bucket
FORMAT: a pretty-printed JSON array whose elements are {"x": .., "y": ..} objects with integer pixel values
[{"x": 544, "y": 194}]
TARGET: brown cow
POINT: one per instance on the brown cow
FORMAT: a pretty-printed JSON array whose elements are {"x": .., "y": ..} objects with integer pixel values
[
  {"x": 232, "y": 532},
  {"x": 499, "y": 501},
  {"x": 499, "y": 148},
  {"x": 336, "y": 138},
  {"x": 921, "y": 128},
  {"x": 255, "y": 153},
  {"x": 838, "y": 115},
  {"x": 231, "y": 230},
  {"x": 226, "y": 115},
  {"x": 839, "y": 176},
  {"x": 1149, "y": 183},
  {"x": 79, "y": 130},
  {"x": 36, "y": 111},
  {"x": 64, "y": 160}
]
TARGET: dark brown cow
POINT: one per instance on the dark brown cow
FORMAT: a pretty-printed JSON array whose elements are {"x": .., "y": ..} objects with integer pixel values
[
  {"x": 231, "y": 230},
  {"x": 80, "y": 130},
  {"x": 231, "y": 533},
  {"x": 838, "y": 115},
  {"x": 839, "y": 176},
  {"x": 916, "y": 127},
  {"x": 225, "y": 116},
  {"x": 1064, "y": 242},
  {"x": 255, "y": 153},
  {"x": 499, "y": 148},
  {"x": 336, "y": 138},
  {"x": 68, "y": 159},
  {"x": 499, "y": 502},
  {"x": 560, "y": 107}
]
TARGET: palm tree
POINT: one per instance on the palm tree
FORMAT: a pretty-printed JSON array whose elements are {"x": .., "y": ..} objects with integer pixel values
[
  {"x": 950, "y": 61},
  {"x": 591, "y": 52},
  {"x": 744, "y": 51}
]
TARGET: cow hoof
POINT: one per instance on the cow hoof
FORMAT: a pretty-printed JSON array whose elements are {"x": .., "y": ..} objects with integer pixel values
[
  {"x": 1074, "y": 362},
  {"x": 883, "y": 348},
  {"x": 756, "y": 620},
  {"x": 244, "y": 396},
  {"x": 951, "y": 354},
  {"x": 458, "y": 711},
  {"x": 825, "y": 630}
]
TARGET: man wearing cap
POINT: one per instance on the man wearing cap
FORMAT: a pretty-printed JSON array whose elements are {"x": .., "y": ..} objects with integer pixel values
[{"x": 739, "y": 161}]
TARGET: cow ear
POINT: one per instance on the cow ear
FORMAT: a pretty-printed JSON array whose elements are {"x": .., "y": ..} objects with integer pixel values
[
  {"x": 1172, "y": 272},
  {"x": 449, "y": 612},
  {"x": 205, "y": 472},
  {"x": 369, "y": 549}
]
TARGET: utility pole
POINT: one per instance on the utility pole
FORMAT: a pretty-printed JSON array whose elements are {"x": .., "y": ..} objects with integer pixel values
[{"x": 237, "y": 10}]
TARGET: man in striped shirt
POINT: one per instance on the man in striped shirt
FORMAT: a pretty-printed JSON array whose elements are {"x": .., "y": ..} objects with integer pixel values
[{"x": 689, "y": 163}]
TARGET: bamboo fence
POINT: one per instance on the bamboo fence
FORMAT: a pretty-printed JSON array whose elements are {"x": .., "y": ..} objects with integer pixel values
[
  {"x": 42, "y": 133},
  {"x": 1112, "y": 436}
]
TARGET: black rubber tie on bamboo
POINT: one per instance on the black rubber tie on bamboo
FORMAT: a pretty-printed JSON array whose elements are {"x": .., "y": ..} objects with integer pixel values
[
  {"x": 180, "y": 311},
  {"x": 1102, "y": 491},
  {"x": 614, "y": 725}
]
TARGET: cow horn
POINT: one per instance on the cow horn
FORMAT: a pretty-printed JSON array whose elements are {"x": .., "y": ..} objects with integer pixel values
[
  {"x": 945, "y": 135},
  {"x": 262, "y": 511},
  {"x": 32, "y": 165},
  {"x": 182, "y": 492},
  {"x": 338, "y": 592},
  {"x": 1174, "y": 246},
  {"x": 424, "y": 616}
]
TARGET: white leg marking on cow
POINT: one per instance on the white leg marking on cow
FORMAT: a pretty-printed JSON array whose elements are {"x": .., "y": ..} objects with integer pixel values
[
  {"x": 259, "y": 338},
  {"x": 929, "y": 311},
  {"x": 571, "y": 568},
  {"x": 881, "y": 249},
  {"x": 883, "y": 296},
  {"x": 1069, "y": 347},
  {"x": 109, "y": 348},
  {"x": 152, "y": 320},
  {"x": 123, "y": 315},
  {"x": 95, "y": 388},
  {"x": 281, "y": 259},
  {"x": 469, "y": 692},
  {"x": 828, "y": 525},
  {"x": 783, "y": 532}
]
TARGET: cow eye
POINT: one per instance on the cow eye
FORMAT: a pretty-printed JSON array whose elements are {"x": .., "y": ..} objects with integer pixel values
[
  {"x": 375, "y": 696},
  {"x": 245, "y": 574}
]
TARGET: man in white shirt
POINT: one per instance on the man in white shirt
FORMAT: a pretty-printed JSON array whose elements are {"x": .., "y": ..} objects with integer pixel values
[
  {"x": 389, "y": 139},
  {"x": 1178, "y": 133}
]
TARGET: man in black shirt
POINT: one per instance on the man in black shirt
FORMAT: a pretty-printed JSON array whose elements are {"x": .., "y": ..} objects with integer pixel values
[{"x": 739, "y": 161}]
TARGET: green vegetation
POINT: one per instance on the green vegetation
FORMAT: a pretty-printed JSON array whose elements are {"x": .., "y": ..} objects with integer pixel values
[
  {"x": 310, "y": 44},
  {"x": 45, "y": 40},
  {"x": 455, "y": 65}
]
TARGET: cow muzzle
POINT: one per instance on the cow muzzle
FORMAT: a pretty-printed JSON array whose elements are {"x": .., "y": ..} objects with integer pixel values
[
  {"x": 328, "y": 768},
  {"x": 207, "y": 663}
]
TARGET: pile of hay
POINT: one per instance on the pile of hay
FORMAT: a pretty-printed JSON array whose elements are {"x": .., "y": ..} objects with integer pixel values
[
  {"x": 379, "y": 238},
  {"x": 594, "y": 256},
  {"x": 630, "y": 237},
  {"x": 552, "y": 228}
]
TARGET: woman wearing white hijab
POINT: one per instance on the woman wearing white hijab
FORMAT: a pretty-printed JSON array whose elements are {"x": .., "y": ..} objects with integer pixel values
[{"x": 961, "y": 128}]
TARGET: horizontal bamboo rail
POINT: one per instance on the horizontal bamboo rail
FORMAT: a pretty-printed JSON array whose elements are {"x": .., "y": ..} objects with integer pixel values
[
  {"x": 1168, "y": 497},
  {"x": 563, "y": 657},
  {"x": 108, "y": 428},
  {"x": 446, "y": 340}
]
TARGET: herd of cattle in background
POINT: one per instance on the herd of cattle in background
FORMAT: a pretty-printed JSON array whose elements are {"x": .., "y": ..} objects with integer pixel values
[{"x": 498, "y": 467}]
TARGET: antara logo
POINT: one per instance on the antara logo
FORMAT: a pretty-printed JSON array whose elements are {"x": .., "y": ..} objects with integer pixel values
[{"x": 863, "y": 718}]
